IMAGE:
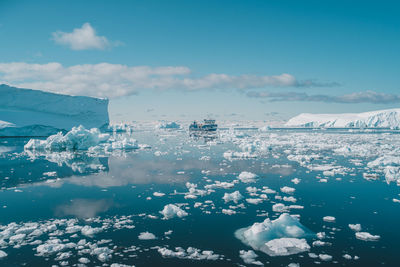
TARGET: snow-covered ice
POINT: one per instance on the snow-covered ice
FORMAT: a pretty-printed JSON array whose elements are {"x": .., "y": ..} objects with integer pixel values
[
  {"x": 282, "y": 236},
  {"x": 170, "y": 211},
  {"x": 27, "y": 112}
]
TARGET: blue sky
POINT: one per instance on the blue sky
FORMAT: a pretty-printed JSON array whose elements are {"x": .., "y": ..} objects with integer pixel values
[{"x": 234, "y": 59}]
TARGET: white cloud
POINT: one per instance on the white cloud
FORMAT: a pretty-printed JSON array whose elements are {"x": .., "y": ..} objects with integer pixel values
[
  {"x": 114, "y": 80},
  {"x": 357, "y": 97},
  {"x": 83, "y": 38}
]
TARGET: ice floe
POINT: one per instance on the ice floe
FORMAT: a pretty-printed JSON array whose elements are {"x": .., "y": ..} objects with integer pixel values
[
  {"x": 170, "y": 211},
  {"x": 235, "y": 197},
  {"x": 189, "y": 253},
  {"x": 249, "y": 257},
  {"x": 282, "y": 236},
  {"x": 365, "y": 236},
  {"x": 247, "y": 177},
  {"x": 146, "y": 236}
]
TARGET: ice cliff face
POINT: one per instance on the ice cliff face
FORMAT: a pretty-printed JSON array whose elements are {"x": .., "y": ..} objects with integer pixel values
[
  {"x": 389, "y": 118},
  {"x": 25, "y": 112}
]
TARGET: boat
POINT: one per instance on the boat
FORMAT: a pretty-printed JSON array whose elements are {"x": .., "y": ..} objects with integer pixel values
[{"x": 208, "y": 125}]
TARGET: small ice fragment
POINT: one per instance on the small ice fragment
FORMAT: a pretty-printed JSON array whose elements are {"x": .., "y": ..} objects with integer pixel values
[
  {"x": 287, "y": 189},
  {"x": 329, "y": 219},
  {"x": 367, "y": 236},
  {"x": 171, "y": 211},
  {"x": 146, "y": 236},
  {"x": 355, "y": 227}
]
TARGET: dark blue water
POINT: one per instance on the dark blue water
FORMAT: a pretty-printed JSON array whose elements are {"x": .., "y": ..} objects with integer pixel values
[{"x": 109, "y": 186}]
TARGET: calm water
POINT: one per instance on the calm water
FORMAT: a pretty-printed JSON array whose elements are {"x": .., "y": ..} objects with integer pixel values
[{"x": 51, "y": 188}]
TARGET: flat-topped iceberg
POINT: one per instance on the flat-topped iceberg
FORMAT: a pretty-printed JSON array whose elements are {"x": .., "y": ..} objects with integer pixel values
[
  {"x": 389, "y": 118},
  {"x": 282, "y": 236},
  {"x": 26, "y": 112}
]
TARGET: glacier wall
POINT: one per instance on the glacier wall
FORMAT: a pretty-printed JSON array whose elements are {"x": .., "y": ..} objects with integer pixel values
[
  {"x": 389, "y": 118},
  {"x": 33, "y": 112}
]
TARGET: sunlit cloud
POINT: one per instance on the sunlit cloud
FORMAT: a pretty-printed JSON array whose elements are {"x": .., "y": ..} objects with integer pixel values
[
  {"x": 115, "y": 80},
  {"x": 84, "y": 38}
]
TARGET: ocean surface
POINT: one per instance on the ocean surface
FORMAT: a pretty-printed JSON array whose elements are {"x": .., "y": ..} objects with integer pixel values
[{"x": 90, "y": 208}]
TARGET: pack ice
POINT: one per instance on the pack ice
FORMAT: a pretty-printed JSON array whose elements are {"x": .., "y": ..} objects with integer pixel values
[
  {"x": 280, "y": 237},
  {"x": 389, "y": 118},
  {"x": 26, "y": 112}
]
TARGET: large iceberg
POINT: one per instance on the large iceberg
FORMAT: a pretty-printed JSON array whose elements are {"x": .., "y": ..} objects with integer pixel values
[
  {"x": 389, "y": 118},
  {"x": 80, "y": 138},
  {"x": 282, "y": 236},
  {"x": 26, "y": 112}
]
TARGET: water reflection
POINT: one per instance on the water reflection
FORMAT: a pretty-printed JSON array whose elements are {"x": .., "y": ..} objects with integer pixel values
[{"x": 83, "y": 208}]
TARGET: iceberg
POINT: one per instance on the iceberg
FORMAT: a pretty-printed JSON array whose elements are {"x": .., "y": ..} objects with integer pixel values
[
  {"x": 26, "y": 112},
  {"x": 389, "y": 118},
  {"x": 78, "y": 138},
  {"x": 282, "y": 236},
  {"x": 168, "y": 125}
]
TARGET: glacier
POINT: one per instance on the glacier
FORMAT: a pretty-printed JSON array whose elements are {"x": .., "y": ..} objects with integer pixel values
[
  {"x": 26, "y": 112},
  {"x": 389, "y": 118}
]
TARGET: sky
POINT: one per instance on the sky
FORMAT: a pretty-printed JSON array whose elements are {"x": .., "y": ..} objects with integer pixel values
[{"x": 184, "y": 60}]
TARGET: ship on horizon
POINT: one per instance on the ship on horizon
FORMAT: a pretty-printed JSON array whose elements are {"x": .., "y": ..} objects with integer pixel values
[{"x": 208, "y": 125}]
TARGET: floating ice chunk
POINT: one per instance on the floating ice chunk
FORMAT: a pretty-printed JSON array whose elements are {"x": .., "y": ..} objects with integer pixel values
[
  {"x": 170, "y": 211},
  {"x": 249, "y": 257},
  {"x": 158, "y": 194},
  {"x": 78, "y": 138},
  {"x": 277, "y": 237},
  {"x": 325, "y": 257},
  {"x": 228, "y": 211},
  {"x": 279, "y": 207},
  {"x": 50, "y": 247},
  {"x": 367, "y": 236},
  {"x": 219, "y": 184},
  {"x": 63, "y": 256},
  {"x": 169, "y": 232},
  {"x": 3, "y": 254},
  {"x": 146, "y": 236},
  {"x": 103, "y": 253},
  {"x": 296, "y": 180},
  {"x": 90, "y": 231},
  {"x": 293, "y": 264},
  {"x": 247, "y": 177},
  {"x": 289, "y": 199},
  {"x": 235, "y": 197},
  {"x": 231, "y": 155},
  {"x": 254, "y": 201},
  {"x": 122, "y": 142},
  {"x": 251, "y": 189},
  {"x": 319, "y": 243},
  {"x": 329, "y": 219},
  {"x": 84, "y": 260},
  {"x": 286, "y": 246},
  {"x": 189, "y": 253},
  {"x": 347, "y": 257},
  {"x": 121, "y": 265},
  {"x": 287, "y": 189},
  {"x": 17, "y": 238},
  {"x": 267, "y": 190},
  {"x": 355, "y": 227}
]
